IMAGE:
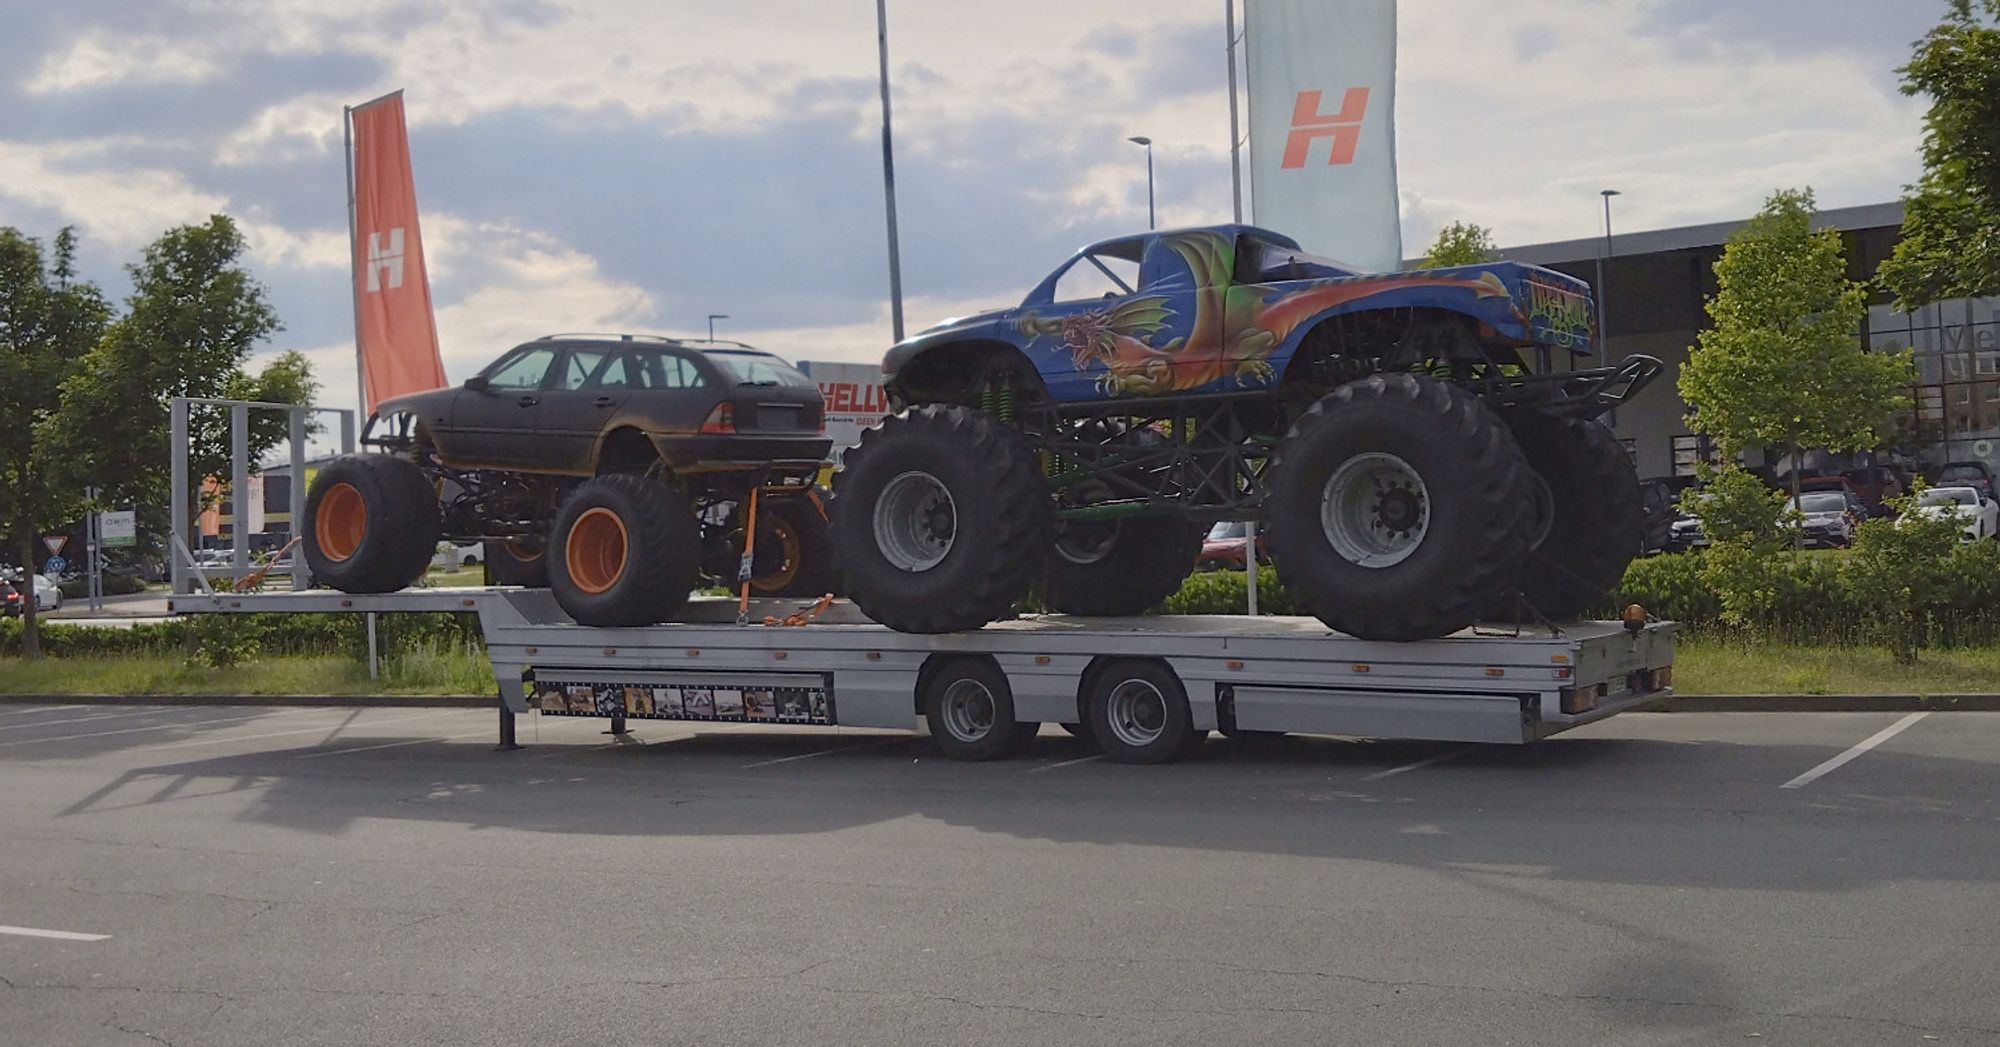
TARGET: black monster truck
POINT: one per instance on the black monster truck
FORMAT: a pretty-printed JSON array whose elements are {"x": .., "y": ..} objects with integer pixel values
[
  {"x": 617, "y": 470},
  {"x": 1422, "y": 446}
]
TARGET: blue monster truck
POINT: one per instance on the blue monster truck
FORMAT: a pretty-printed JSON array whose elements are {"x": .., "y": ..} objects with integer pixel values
[{"x": 1421, "y": 445}]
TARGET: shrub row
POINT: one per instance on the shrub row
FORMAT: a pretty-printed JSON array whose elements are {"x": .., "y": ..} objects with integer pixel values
[{"x": 255, "y": 633}]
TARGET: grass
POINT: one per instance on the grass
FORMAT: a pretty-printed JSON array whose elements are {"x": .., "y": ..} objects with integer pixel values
[
  {"x": 423, "y": 671},
  {"x": 456, "y": 577},
  {"x": 1720, "y": 666}
]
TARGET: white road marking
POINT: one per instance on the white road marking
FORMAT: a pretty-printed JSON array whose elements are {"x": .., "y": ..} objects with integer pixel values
[
  {"x": 829, "y": 752},
  {"x": 24, "y": 710},
  {"x": 1066, "y": 763},
  {"x": 281, "y": 734},
  {"x": 68, "y": 936},
  {"x": 1860, "y": 747},
  {"x": 390, "y": 745},
  {"x": 155, "y": 727},
  {"x": 1426, "y": 762},
  {"x": 100, "y": 716}
]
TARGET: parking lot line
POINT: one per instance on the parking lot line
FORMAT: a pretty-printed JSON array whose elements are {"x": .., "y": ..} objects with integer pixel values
[
  {"x": 390, "y": 745},
  {"x": 1066, "y": 763},
  {"x": 83, "y": 719},
  {"x": 1860, "y": 747},
  {"x": 154, "y": 727},
  {"x": 68, "y": 936},
  {"x": 1426, "y": 762},
  {"x": 829, "y": 752},
  {"x": 301, "y": 730}
]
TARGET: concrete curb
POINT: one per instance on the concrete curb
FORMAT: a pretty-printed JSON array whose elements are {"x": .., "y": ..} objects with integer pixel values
[
  {"x": 359, "y": 701},
  {"x": 1832, "y": 703}
]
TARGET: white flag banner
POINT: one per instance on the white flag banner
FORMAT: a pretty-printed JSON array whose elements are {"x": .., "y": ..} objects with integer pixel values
[{"x": 1322, "y": 77}]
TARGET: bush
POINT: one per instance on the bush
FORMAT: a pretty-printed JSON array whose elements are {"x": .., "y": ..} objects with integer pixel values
[{"x": 1226, "y": 592}]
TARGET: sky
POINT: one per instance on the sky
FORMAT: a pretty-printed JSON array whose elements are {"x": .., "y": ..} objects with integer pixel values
[{"x": 634, "y": 165}]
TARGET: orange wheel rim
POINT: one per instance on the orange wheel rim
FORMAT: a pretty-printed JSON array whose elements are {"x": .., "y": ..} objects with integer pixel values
[
  {"x": 340, "y": 522},
  {"x": 595, "y": 551},
  {"x": 790, "y": 547},
  {"x": 520, "y": 552}
]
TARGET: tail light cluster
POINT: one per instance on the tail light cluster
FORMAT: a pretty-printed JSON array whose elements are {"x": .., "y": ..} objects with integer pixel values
[
  {"x": 721, "y": 421},
  {"x": 1583, "y": 699}
]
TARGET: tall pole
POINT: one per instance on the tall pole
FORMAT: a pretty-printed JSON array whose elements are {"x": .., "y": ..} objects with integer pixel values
[
  {"x": 712, "y": 318},
  {"x": 1604, "y": 295},
  {"x": 1235, "y": 138},
  {"x": 353, "y": 256},
  {"x": 889, "y": 176},
  {"x": 1148, "y": 143}
]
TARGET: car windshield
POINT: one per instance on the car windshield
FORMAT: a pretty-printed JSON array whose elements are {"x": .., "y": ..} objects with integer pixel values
[
  {"x": 1961, "y": 472},
  {"x": 1228, "y": 529},
  {"x": 1821, "y": 503},
  {"x": 1949, "y": 496},
  {"x": 758, "y": 369}
]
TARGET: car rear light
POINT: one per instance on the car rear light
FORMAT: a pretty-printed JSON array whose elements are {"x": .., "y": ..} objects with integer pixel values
[{"x": 722, "y": 420}]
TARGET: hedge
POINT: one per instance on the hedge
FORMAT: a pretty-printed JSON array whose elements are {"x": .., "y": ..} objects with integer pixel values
[{"x": 266, "y": 633}]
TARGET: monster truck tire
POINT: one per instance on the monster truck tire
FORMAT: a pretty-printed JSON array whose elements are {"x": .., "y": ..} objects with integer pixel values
[
  {"x": 1395, "y": 508},
  {"x": 941, "y": 520},
  {"x": 1120, "y": 567},
  {"x": 794, "y": 553},
  {"x": 1594, "y": 522},
  {"x": 371, "y": 523},
  {"x": 625, "y": 550},
  {"x": 512, "y": 563}
]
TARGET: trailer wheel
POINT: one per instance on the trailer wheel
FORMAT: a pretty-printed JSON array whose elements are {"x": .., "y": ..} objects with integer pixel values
[
  {"x": 1139, "y": 713},
  {"x": 1395, "y": 508},
  {"x": 1588, "y": 522},
  {"x": 515, "y": 563},
  {"x": 970, "y": 709},
  {"x": 371, "y": 523},
  {"x": 794, "y": 553},
  {"x": 625, "y": 551},
  {"x": 1120, "y": 567},
  {"x": 941, "y": 521}
]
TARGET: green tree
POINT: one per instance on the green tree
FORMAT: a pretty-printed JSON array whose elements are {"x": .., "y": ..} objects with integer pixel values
[
  {"x": 195, "y": 316},
  {"x": 1780, "y": 363},
  {"x": 1951, "y": 218},
  {"x": 1460, "y": 243},
  {"x": 48, "y": 320},
  {"x": 1748, "y": 525},
  {"x": 1902, "y": 568}
]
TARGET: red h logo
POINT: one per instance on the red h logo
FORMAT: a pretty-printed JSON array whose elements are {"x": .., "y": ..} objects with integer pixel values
[{"x": 1343, "y": 127}]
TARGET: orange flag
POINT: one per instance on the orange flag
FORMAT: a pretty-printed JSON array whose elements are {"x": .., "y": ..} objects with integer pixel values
[{"x": 395, "y": 332}]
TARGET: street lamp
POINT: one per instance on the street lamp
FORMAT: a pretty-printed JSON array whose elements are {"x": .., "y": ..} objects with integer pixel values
[
  {"x": 1148, "y": 143},
  {"x": 1604, "y": 296},
  {"x": 712, "y": 318}
]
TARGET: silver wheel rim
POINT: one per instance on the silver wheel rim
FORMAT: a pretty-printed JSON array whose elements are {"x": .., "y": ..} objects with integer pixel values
[
  {"x": 968, "y": 711},
  {"x": 915, "y": 521},
  {"x": 1137, "y": 713},
  {"x": 1375, "y": 510}
]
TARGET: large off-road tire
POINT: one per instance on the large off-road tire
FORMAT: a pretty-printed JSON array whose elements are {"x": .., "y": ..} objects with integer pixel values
[
  {"x": 518, "y": 563},
  {"x": 625, "y": 551},
  {"x": 794, "y": 552},
  {"x": 1586, "y": 521},
  {"x": 1395, "y": 508},
  {"x": 1120, "y": 567},
  {"x": 371, "y": 523},
  {"x": 941, "y": 520}
]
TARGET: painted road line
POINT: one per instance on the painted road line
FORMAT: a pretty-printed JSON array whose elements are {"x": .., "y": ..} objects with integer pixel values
[
  {"x": 1426, "y": 762},
  {"x": 334, "y": 727},
  {"x": 29, "y": 710},
  {"x": 155, "y": 727},
  {"x": 1065, "y": 763},
  {"x": 83, "y": 719},
  {"x": 1860, "y": 747},
  {"x": 68, "y": 936},
  {"x": 390, "y": 745},
  {"x": 829, "y": 752}
]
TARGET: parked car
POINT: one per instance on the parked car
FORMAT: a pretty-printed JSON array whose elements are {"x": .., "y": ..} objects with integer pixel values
[
  {"x": 1979, "y": 512},
  {"x": 617, "y": 470},
  {"x": 1875, "y": 485},
  {"x": 453, "y": 554},
  {"x": 1828, "y": 518},
  {"x": 10, "y": 600},
  {"x": 1976, "y": 475},
  {"x": 1656, "y": 499},
  {"x": 1840, "y": 485},
  {"x": 1223, "y": 548},
  {"x": 13, "y": 590}
]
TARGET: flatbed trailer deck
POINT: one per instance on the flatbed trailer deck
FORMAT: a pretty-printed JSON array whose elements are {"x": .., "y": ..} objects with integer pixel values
[{"x": 1268, "y": 674}]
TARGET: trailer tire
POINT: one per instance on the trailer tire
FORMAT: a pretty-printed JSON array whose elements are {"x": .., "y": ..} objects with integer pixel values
[
  {"x": 970, "y": 710},
  {"x": 1139, "y": 713},
  {"x": 804, "y": 542},
  {"x": 1594, "y": 526},
  {"x": 511, "y": 563},
  {"x": 1120, "y": 567},
  {"x": 372, "y": 523},
  {"x": 941, "y": 520},
  {"x": 1368, "y": 465},
  {"x": 625, "y": 551}
]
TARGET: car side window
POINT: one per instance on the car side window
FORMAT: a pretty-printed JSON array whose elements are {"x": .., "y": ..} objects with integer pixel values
[
  {"x": 525, "y": 371},
  {"x": 623, "y": 372},
  {"x": 1097, "y": 276},
  {"x": 679, "y": 372},
  {"x": 577, "y": 368}
]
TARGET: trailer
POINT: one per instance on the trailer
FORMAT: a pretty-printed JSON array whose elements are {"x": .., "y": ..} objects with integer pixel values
[{"x": 1144, "y": 689}]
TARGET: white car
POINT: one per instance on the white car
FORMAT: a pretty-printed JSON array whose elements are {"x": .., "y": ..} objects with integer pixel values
[
  {"x": 450, "y": 555},
  {"x": 48, "y": 595},
  {"x": 1979, "y": 514}
]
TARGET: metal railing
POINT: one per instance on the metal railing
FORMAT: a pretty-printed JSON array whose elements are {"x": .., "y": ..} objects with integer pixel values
[{"x": 189, "y": 576}]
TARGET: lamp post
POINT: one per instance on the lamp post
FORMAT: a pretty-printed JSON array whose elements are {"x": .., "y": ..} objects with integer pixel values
[
  {"x": 1148, "y": 143},
  {"x": 1604, "y": 296},
  {"x": 712, "y": 318},
  {"x": 889, "y": 176}
]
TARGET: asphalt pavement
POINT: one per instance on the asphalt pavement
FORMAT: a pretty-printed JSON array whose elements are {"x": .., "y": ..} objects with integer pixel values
[{"x": 248, "y": 875}]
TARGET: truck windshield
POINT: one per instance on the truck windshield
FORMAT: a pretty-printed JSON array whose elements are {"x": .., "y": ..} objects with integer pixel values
[{"x": 758, "y": 369}]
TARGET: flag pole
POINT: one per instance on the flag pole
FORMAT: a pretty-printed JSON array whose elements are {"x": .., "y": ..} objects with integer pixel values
[
  {"x": 1235, "y": 137},
  {"x": 889, "y": 176},
  {"x": 353, "y": 258}
]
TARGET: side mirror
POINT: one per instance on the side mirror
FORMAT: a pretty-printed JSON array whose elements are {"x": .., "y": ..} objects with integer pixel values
[{"x": 476, "y": 383}]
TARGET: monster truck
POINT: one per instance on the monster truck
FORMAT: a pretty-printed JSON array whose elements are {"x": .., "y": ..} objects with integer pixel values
[
  {"x": 616, "y": 470},
  {"x": 1422, "y": 447}
]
